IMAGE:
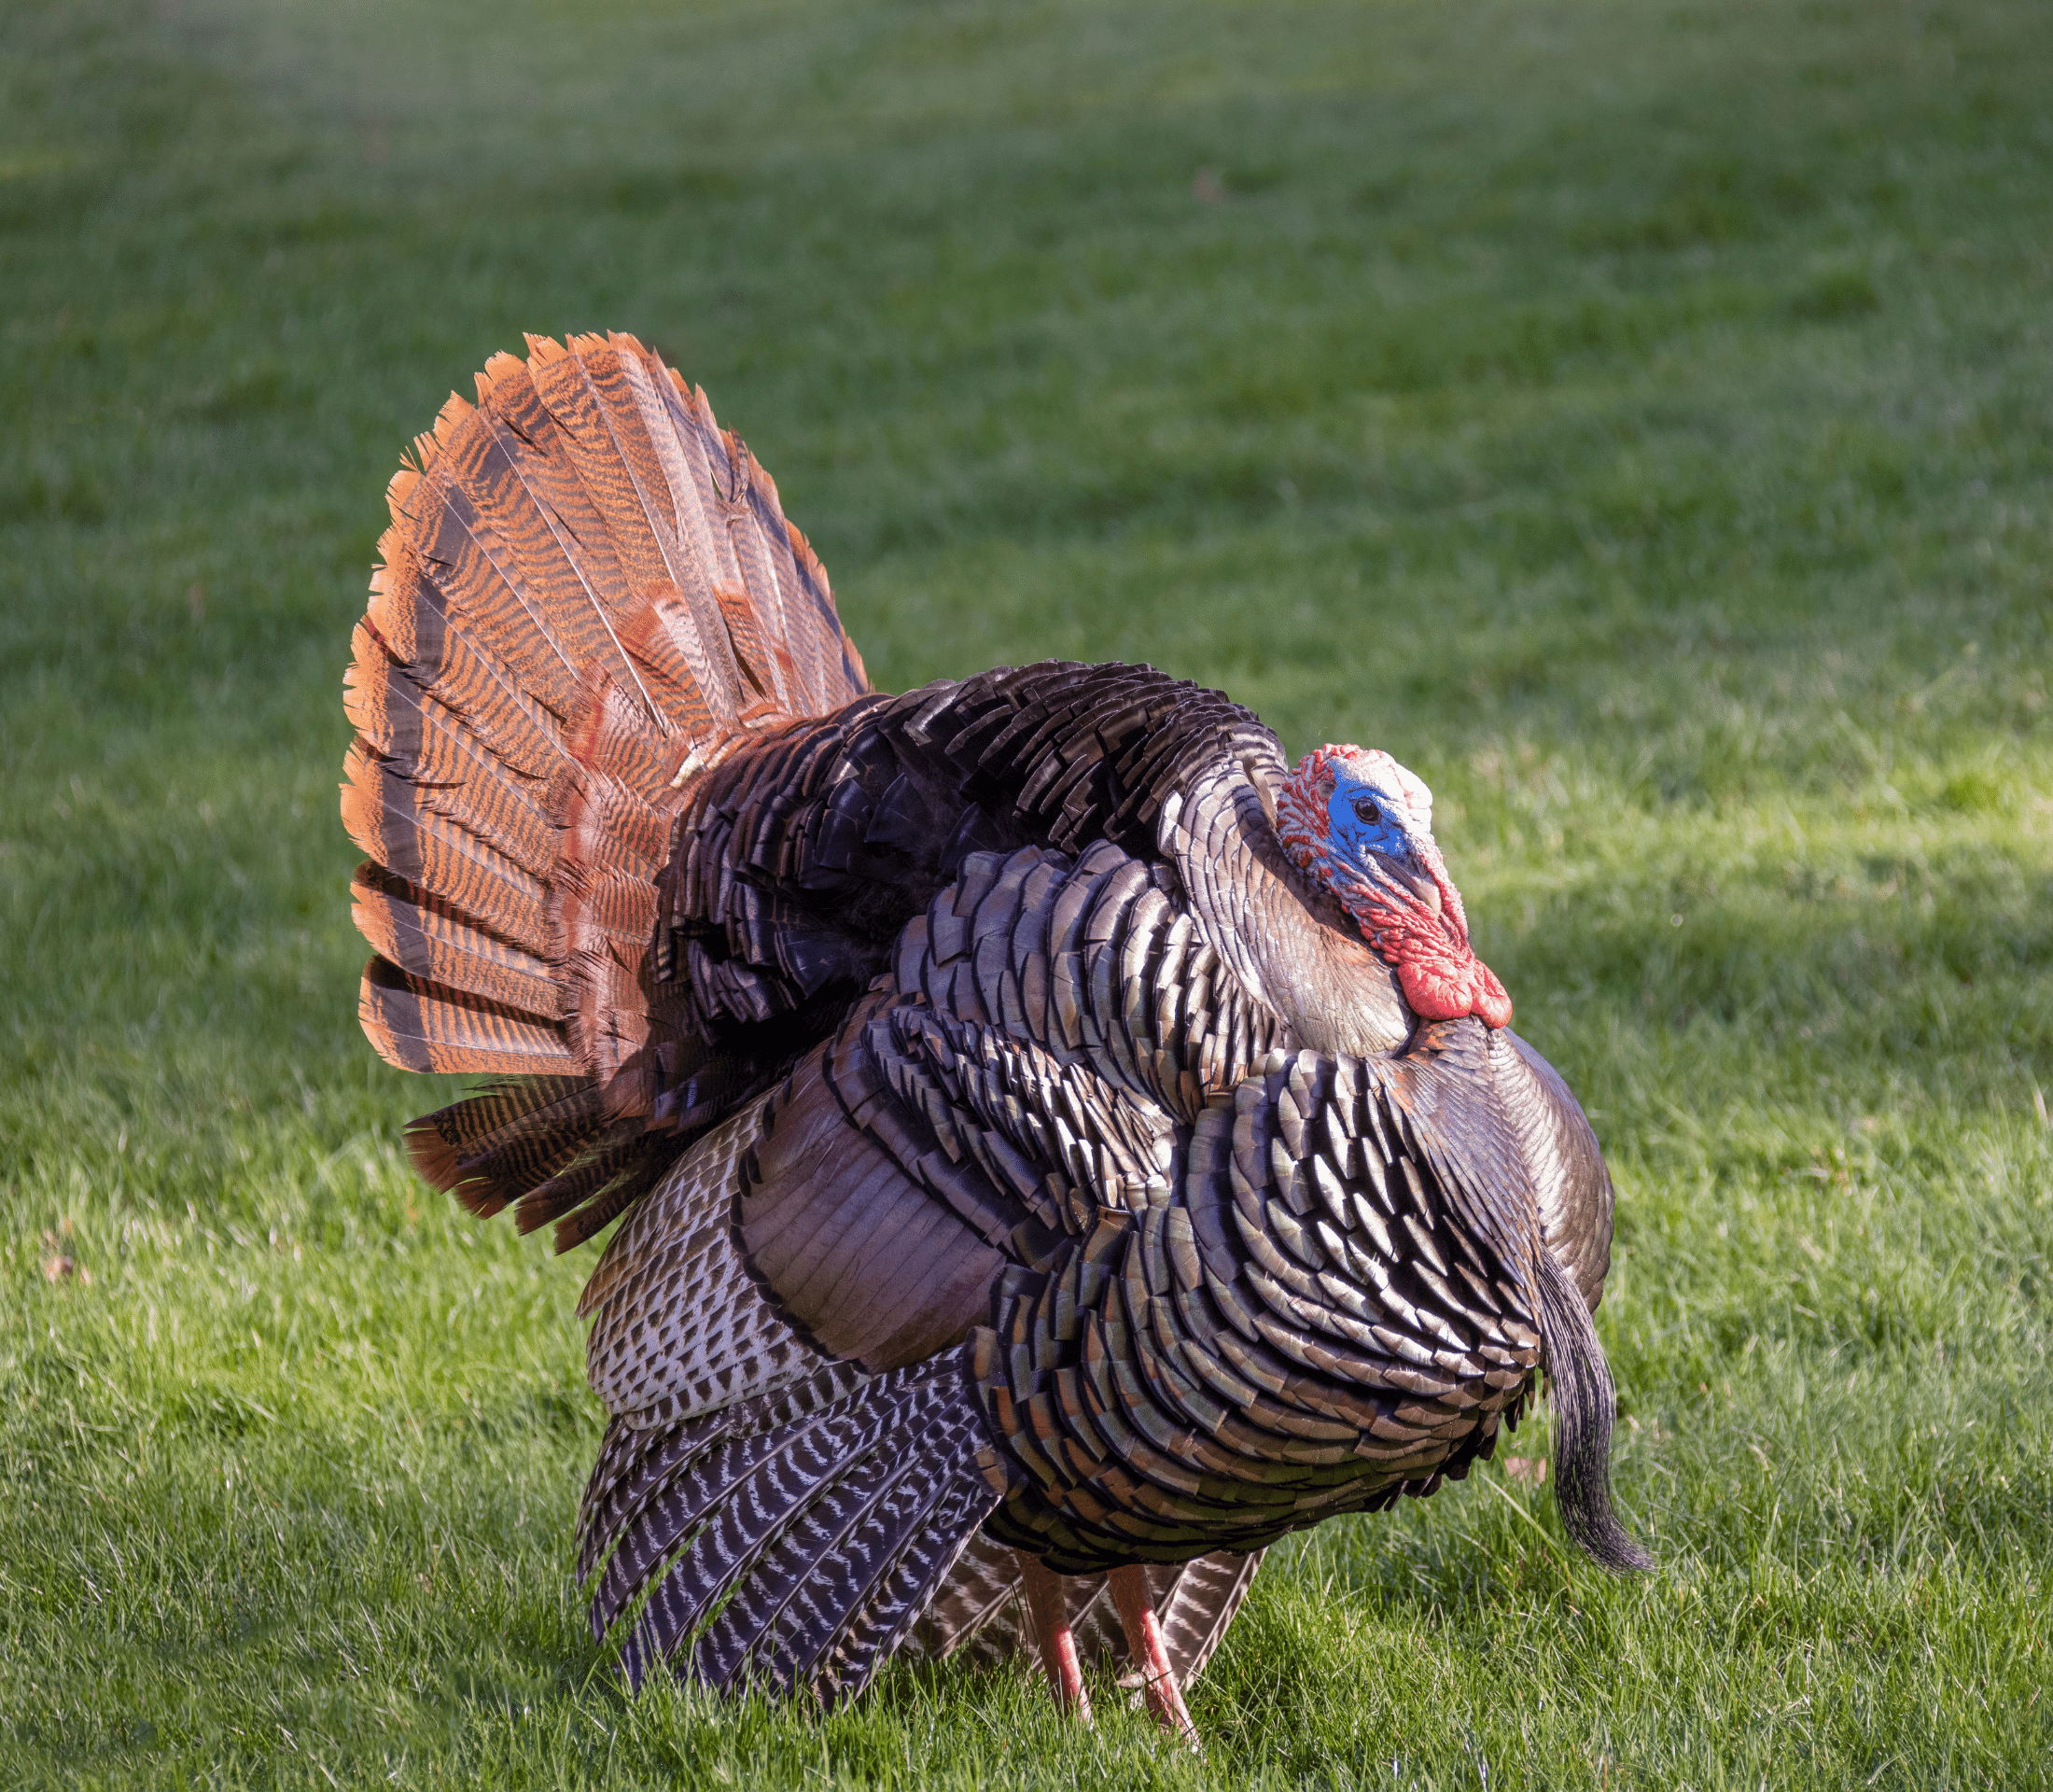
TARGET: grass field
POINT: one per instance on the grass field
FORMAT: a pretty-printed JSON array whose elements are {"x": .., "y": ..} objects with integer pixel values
[{"x": 1639, "y": 418}]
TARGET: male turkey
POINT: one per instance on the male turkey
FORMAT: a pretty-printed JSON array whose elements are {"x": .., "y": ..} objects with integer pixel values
[{"x": 1061, "y": 1147}]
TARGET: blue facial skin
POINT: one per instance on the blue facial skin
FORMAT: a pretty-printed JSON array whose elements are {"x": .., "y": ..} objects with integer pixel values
[{"x": 1366, "y": 820}]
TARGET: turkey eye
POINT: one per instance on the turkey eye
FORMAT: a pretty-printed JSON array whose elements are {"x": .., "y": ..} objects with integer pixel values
[{"x": 1365, "y": 811}]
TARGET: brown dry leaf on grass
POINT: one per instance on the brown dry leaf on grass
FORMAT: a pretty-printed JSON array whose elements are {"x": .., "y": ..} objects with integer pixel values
[{"x": 59, "y": 1266}]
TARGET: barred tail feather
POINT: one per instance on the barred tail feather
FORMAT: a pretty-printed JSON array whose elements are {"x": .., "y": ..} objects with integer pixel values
[
  {"x": 488, "y": 1149},
  {"x": 423, "y": 1026},
  {"x": 979, "y": 1612},
  {"x": 585, "y": 582},
  {"x": 424, "y": 936}
]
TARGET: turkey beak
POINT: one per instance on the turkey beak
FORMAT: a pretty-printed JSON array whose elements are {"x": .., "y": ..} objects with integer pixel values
[{"x": 1412, "y": 877}]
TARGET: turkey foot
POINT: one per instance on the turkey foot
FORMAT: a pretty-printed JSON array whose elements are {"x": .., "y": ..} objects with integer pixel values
[
  {"x": 1048, "y": 1607},
  {"x": 1158, "y": 1685}
]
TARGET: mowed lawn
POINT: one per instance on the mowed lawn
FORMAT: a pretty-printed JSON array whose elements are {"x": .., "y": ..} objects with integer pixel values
[{"x": 1637, "y": 417}]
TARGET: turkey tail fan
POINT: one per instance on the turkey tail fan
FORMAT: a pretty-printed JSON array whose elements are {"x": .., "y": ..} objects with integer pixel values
[
  {"x": 802, "y": 1556},
  {"x": 1585, "y": 1408},
  {"x": 586, "y": 584}
]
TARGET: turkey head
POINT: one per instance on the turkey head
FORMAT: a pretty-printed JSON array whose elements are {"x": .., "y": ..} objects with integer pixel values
[{"x": 1361, "y": 824}]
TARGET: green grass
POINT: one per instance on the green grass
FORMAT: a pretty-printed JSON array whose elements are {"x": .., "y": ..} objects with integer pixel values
[{"x": 1637, "y": 417}]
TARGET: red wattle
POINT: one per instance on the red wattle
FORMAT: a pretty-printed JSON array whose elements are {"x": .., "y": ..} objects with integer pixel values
[
  {"x": 1442, "y": 978},
  {"x": 1492, "y": 1000},
  {"x": 1445, "y": 989}
]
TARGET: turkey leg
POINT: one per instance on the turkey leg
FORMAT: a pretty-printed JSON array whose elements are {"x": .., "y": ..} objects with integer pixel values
[
  {"x": 1048, "y": 1607},
  {"x": 1158, "y": 1685}
]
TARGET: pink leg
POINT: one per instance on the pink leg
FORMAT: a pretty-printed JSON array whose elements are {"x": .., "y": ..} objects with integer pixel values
[
  {"x": 1050, "y": 1612},
  {"x": 1144, "y": 1639}
]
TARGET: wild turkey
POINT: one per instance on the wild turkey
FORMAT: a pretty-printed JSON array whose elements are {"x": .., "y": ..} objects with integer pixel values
[{"x": 1062, "y": 1149}]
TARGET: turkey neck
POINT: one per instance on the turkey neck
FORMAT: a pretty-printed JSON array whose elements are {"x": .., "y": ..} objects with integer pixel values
[{"x": 1290, "y": 943}]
